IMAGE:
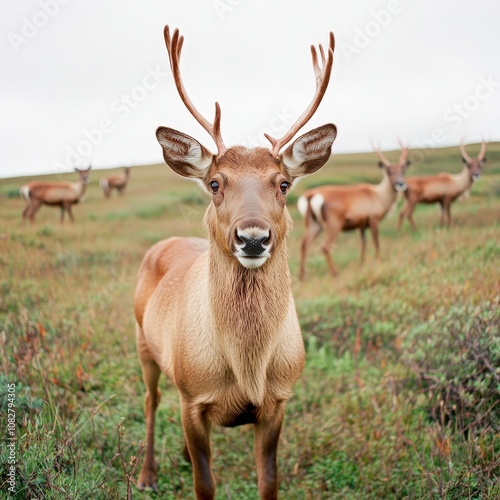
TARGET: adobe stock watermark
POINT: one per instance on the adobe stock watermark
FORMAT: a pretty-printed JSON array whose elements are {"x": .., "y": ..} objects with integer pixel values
[
  {"x": 363, "y": 36},
  {"x": 120, "y": 110},
  {"x": 11, "y": 438},
  {"x": 279, "y": 122},
  {"x": 223, "y": 7},
  {"x": 31, "y": 26}
]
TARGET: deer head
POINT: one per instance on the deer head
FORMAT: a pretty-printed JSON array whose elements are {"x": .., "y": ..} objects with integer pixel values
[
  {"x": 247, "y": 217},
  {"x": 475, "y": 165},
  {"x": 84, "y": 174},
  {"x": 395, "y": 171}
]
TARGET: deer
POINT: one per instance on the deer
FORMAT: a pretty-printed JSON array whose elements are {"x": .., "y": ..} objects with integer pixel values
[
  {"x": 118, "y": 182},
  {"x": 56, "y": 194},
  {"x": 217, "y": 315},
  {"x": 443, "y": 188},
  {"x": 333, "y": 209}
]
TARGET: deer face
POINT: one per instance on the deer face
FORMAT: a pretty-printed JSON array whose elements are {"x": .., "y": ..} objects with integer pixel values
[
  {"x": 396, "y": 173},
  {"x": 247, "y": 217},
  {"x": 475, "y": 167},
  {"x": 84, "y": 174}
]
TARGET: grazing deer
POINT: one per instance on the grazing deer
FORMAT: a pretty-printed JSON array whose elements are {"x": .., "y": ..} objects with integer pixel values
[
  {"x": 55, "y": 194},
  {"x": 118, "y": 182},
  {"x": 218, "y": 316},
  {"x": 443, "y": 188},
  {"x": 333, "y": 209}
]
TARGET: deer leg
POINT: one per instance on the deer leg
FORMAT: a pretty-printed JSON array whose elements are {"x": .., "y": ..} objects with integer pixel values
[
  {"x": 447, "y": 212},
  {"x": 312, "y": 231},
  {"x": 197, "y": 437},
  {"x": 26, "y": 212},
  {"x": 404, "y": 213},
  {"x": 410, "y": 217},
  {"x": 70, "y": 212},
  {"x": 362, "y": 232},
  {"x": 374, "y": 230},
  {"x": 267, "y": 434},
  {"x": 148, "y": 476},
  {"x": 34, "y": 207},
  {"x": 442, "y": 218},
  {"x": 330, "y": 236}
]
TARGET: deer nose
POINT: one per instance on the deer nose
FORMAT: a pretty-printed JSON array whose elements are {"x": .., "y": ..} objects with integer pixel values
[
  {"x": 253, "y": 246},
  {"x": 253, "y": 241}
]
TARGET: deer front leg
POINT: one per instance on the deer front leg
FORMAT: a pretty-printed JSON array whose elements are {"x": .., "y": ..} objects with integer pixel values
[
  {"x": 267, "y": 434},
  {"x": 447, "y": 212},
  {"x": 363, "y": 244},
  {"x": 148, "y": 476},
  {"x": 197, "y": 439},
  {"x": 374, "y": 230}
]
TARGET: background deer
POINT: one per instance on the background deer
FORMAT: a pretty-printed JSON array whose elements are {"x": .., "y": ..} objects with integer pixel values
[
  {"x": 56, "y": 194},
  {"x": 443, "y": 188},
  {"x": 218, "y": 317},
  {"x": 333, "y": 209},
  {"x": 118, "y": 182}
]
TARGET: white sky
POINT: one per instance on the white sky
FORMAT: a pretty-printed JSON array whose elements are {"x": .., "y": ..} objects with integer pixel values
[{"x": 425, "y": 70}]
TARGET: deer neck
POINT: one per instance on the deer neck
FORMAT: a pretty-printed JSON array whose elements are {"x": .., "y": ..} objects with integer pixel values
[
  {"x": 462, "y": 180},
  {"x": 249, "y": 303},
  {"x": 386, "y": 192},
  {"x": 79, "y": 188},
  {"x": 249, "y": 309}
]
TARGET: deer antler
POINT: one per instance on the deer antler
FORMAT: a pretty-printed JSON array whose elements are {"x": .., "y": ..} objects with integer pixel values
[
  {"x": 322, "y": 78},
  {"x": 174, "y": 47},
  {"x": 467, "y": 158},
  {"x": 405, "y": 152},
  {"x": 482, "y": 152},
  {"x": 383, "y": 159}
]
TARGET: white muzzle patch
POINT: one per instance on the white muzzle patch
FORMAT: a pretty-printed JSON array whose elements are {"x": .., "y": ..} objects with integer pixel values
[{"x": 252, "y": 252}]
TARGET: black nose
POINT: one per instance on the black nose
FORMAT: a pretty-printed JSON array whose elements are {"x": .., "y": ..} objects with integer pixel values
[{"x": 253, "y": 246}]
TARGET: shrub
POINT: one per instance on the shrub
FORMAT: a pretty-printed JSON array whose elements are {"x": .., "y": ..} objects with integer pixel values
[{"x": 456, "y": 355}]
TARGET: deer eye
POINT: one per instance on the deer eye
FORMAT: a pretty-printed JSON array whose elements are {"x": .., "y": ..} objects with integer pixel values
[
  {"x": 215, "y": 186},
  {"x": 284, "y": 187}
]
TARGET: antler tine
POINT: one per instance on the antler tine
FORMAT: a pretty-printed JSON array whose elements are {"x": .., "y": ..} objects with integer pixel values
[
  {"x": 405, "y": 152},
  {"x": 322, "y": 79},
  {"x": 464, "y": 153},
  {"x": 383, "y": 159},
  {"x": 174, "y": 48},
  {"x": 482, "y": 152}
]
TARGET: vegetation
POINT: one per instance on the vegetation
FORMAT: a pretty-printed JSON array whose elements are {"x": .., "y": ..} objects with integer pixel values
[{"x": 400, "y": 397}]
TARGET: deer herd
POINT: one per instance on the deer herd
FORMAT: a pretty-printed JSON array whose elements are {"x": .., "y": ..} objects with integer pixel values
[{"x": 217, "y": 315}]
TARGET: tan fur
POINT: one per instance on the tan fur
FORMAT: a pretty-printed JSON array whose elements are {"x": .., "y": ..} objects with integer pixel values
[
  {"x": 118, "y": 182},
  {"x": 227, "y": 336},
  {"x": 218, "y": 317},
  {"x": 343, "y": 208},
  {"x": 59, "y": 194},
  {"x": 443, "y": 188}
]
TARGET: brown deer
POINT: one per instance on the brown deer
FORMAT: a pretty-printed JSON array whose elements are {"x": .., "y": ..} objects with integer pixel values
[
  {"x": 217, "y": 316},
  {"x": 443, "y": 188},
  {"x": 118, "y": 182},
  {"x": 333, "y": 209},
  {"x": 55, "y": 194}
]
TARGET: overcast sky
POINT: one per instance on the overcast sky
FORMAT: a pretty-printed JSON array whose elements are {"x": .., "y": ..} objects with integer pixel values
[{"x": 87, "y": 81}]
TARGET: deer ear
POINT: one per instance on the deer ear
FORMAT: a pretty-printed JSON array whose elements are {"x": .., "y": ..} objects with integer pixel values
[
  {"x": 183, "y": 154},
  {"x": 310, "y": 151}
]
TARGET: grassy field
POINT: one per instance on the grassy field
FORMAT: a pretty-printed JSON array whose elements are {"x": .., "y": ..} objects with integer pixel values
[{"x": 400, "y": 397}]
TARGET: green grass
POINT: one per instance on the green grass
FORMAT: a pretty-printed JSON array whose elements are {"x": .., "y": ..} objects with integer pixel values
[{"x": 400, "y": 394}]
